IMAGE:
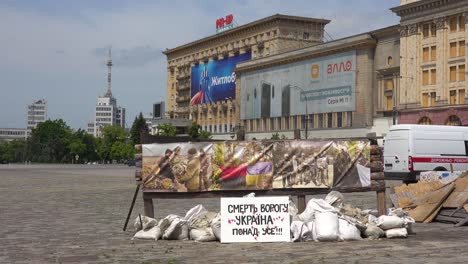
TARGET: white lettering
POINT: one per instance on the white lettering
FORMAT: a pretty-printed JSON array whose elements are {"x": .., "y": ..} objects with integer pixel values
[{"x": 223, "y": 80}]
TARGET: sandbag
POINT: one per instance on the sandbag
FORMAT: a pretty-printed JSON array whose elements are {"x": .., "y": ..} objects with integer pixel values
[
  {"x": 216, "y": 227},
  {"x": 409, "y": 221},
  {"x": 348, "y": 231},
  {"x": 373, "y": 232},
  {"x": 153, "y": 233},
  {"x": 326, "y": 226},
  {"x": 396, "y": 233},
  {"x": 389, "y": 222},
  {"x": 313, "y": 206},
  {"x": 148, "y": 223},
  {"x": 195, "y": 212},
  {"x": 335, "y": 199},
  {"x": 178, "y": 230},
  {"x": 165, "y": 223},
  {"x": 302, "y": 231},
  {"x": 202, "y": 234}
]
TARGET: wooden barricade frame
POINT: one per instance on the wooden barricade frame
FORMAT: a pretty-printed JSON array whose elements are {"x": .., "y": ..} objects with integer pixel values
[{"x": 377, "y": 185}]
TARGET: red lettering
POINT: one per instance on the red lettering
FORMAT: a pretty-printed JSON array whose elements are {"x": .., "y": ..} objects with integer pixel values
[
  {"x": 329, "y": 69},
  {"x": 229, "y": 19},
  {"x": 339, "y": 67},
  {"x": 349, "y": 65},
  {"x": 220, "y": 22}
]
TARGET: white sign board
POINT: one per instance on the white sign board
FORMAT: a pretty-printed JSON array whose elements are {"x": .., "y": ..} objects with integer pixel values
[{"x": 256, "y": 219}]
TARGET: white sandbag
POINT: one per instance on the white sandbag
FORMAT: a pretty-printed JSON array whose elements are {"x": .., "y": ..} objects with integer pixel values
[
  {"x": 313, "y": 206},
  {"x": 326, "y": 226},
  {"x": 250, "y": 195},
  {"x": 348, "y": 231},
  {"x": 335, "y": 199},
  {"x": 396, "y": 233},
  {"x": 202, "y": 234},
  {"x": 153, "y": 233},
  {"x": 178, "y": 230},
  {"x": 195, "y": 212},
  {"x": 373, "y": 232},
  {"x": 389, "y": 222},
  {"x": 216, "y": 227},
  {"x": 409, "y": 221},
  {"x": 148, "y": 223},
  {"x": 165, "y": 223},
  {"x": 302, "y": 231}
]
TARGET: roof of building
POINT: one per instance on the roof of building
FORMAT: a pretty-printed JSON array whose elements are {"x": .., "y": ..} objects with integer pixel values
[{"x": 246, "y": 26}]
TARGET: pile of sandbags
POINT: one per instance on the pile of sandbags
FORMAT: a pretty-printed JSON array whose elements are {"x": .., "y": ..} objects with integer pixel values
[
  {"x": 198, "y": 224},
  {"x": 330, "y": 219}
]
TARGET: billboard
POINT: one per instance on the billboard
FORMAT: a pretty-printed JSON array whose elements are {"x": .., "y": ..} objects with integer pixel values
[
  {"x": 215, "y": 80},
  {"x": 325, "y": 84},
  {"x": 208, "y": 166}
]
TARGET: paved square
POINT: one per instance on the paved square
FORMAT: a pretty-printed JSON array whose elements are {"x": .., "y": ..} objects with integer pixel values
[{"x": 75, "y": 214}]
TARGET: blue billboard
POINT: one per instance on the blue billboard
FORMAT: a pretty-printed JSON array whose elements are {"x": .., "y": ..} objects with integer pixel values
[{"x": 215, "y": 80}]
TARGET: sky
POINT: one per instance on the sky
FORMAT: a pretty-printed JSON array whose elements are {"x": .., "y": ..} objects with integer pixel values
[{"x": 57, "y": 49}]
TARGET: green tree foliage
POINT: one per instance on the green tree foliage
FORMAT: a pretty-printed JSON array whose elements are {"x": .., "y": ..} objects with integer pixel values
[
  {"x": 194, "y": 130},
  {"x": 275, "y": 136},
  {"x": 110, "y": 136},
  {"x": 205, "y": 135},
  {"x": 139, "y": 126},
  {"x": 13, "y": 151},
  {"x": 167, "y": 130},
  {"x": 49, "y": 142}
]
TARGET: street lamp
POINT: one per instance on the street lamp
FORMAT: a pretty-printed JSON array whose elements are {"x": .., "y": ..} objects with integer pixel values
[{"x": 307, "y": 112}]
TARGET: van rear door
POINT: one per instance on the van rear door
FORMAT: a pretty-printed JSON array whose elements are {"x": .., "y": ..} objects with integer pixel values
[{"x": 396, "y": 152}]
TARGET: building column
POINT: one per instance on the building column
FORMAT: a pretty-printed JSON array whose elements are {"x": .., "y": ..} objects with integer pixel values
[{"x": 441, "y": 65}]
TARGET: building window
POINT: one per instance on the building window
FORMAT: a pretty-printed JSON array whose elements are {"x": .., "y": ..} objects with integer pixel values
[
  {"x": 461, "y": 23},
  {"x": 264, "y": 124},
  {"x": 428, "y": 99},
  {"x": 320, "y": 120},
  {"x": 330, "y": 120},
  {"x": 267, "y": 51},
  {"x": 453, "y": 73},
  {"x": 425, "y": 121},
  {"x": 294, "y": 122},
  {"x": 457, "y": 73},
  {"x": 457, "y": 97},
  {"x": 453, "y": 120},
  {"x": 433, "y": 53},
  {"x": 389, "y": 61},
  {"x": 461, "y": 48},
  {"x": 272, "y": 123},
  {"x": 279, "y": 123},
  {"x": 425, "y": 77},
  {"x": 461, "y": 72},
  {"x": 426, "y": 54},
  {"x": 433, "y": 76},
  {"x": 426, "y": 30},
  {"x": 305, "y": 36},
  {"x": 453, "y": 21},
  {"x": 349, "y": 116},
  {"x": 339, "y": 119},
  {"x": 286, "y": 123},
  {"x": 433, "y": 30},
  {"x": 453, "y": 49},
  {"x": 225, "y": 128}
]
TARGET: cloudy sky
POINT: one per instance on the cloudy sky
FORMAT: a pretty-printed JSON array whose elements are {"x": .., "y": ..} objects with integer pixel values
[{"x": 56, "y": 49}]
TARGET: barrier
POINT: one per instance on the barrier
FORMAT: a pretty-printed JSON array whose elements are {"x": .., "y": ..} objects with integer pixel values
[{"x": 276, "y": 175}]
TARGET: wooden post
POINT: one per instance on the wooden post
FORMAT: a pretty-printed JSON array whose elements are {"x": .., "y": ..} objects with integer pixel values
[
  {"x": 381, "y": 202},
  {"x": 148, "y": 207},
  {"x": 301, "y": 203}
]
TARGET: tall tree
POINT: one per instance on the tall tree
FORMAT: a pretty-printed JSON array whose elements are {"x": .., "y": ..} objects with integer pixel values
[
  {"x": 139, "y": 126},
  {"x": 48, "y": 142},
  {"x": 167, "y": 130},
  {"x": 194, "y": 130}
]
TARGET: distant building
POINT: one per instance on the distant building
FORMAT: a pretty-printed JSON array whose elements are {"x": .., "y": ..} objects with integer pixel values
[
  {"x": 107, "y": 111},
  {"x": 37, "y": 113},
  {"x": 8, "y": 134}
]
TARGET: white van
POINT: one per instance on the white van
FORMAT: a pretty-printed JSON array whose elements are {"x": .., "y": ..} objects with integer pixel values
[{"x": 410, "y": 149}]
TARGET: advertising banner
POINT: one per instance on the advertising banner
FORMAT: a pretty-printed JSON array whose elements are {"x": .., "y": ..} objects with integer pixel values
[
  {"x": 215, "y": 80},
  {"x": 255, "y": 219},
  {"x": 325, "y": 84},
  {"x": 256, "y": 165}
]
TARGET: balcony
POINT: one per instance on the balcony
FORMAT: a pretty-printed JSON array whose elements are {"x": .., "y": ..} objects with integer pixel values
[
  {"x": 183, "y": 76},
  {"x": 183, "y": 87},
  {"x": 182, "y": 110},
  {"x": 181, "y": 99}
]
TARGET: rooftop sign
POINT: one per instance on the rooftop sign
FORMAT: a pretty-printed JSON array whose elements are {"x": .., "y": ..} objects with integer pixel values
[{"x": 224, "y": 23}]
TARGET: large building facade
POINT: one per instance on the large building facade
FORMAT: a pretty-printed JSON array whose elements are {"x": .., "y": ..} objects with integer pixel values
[
  {"x": 433, "y": 52},
  {"x": 107, "y": 113},
  {"x": 200, "y": 83},
  {"x": 330, "y": 89}
]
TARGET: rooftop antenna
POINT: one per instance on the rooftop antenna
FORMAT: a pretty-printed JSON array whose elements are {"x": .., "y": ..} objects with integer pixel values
[{"x": 109, "y": 74}]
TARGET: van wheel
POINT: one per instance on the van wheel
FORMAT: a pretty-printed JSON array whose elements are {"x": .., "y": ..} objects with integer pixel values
[{"x": 440, "y": 169}]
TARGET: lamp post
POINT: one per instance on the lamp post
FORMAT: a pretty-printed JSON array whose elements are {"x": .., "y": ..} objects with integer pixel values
[{"x": 306, "y": 119}]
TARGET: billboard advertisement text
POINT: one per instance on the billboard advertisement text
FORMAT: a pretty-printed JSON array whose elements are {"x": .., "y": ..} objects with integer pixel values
[
  {"x": 325, "y": 84},
  {"x": 215, "y": 80}
]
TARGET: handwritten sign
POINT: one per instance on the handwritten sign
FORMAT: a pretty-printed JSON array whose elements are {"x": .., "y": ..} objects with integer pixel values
[{"x": 256, "y": 219}]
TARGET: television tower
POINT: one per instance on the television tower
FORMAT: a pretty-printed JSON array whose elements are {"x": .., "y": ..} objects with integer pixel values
[{"x": 109, "y": 74}]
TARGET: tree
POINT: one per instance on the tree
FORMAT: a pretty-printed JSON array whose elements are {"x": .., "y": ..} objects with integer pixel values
[
  {"x": 110, "y": 136},
  {"x": 139, "y": 126},
  {"x": 13, "y": 151},
  {"x": 167, "y": 130},
  {"x": 205, "y": 135},
  {"x": 275, "y": 136},
  {"x": 49, "y": 141},
  {"x": 194, "y": 130}
]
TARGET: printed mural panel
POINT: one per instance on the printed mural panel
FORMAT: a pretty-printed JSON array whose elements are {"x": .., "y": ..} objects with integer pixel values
[{"x": 256, "y": 165}]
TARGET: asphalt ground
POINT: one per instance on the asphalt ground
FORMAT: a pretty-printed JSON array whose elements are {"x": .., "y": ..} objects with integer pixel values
[{"x": 75, "y": 214}]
